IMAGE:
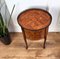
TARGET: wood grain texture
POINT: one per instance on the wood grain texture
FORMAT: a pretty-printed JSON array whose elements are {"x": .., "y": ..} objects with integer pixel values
[
  {"x": 34, "y": 19},
  {"x": 16, "y": 50},
  {"x": 35, "y": 35},
  {"x": 34, "y": 22}
]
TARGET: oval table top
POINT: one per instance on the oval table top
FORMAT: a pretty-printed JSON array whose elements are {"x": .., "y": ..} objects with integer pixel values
[{"x": 34, "y": 19}]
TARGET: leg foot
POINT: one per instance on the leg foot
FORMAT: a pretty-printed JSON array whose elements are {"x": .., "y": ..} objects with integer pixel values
[
  {"x": 44, "y": 39},
  {"x": 44, "y": 43},
  {"x": 24, "y": 38}
]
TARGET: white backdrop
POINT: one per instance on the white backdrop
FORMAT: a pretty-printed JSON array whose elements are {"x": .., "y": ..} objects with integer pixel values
[{"x": 21, "y": 5}]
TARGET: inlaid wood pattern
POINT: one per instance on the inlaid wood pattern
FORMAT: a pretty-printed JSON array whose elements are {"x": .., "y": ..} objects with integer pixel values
[
  {"x": 34, "y": 23},
  {"x": 34, "y": 19},
  {"x": 35, "y": 35}
]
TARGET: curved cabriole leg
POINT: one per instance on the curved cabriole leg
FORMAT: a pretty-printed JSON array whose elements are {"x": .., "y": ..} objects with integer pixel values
[
  {"x": 24, "y": 38},
  {"x": 45, "y": 37}
]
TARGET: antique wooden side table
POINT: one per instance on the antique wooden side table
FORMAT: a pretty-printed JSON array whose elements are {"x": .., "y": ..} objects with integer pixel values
[{"x": 34, "y": 24}]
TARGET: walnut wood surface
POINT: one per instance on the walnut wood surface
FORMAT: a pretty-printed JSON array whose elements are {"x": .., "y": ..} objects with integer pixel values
[{"x": 34, "y": 19}]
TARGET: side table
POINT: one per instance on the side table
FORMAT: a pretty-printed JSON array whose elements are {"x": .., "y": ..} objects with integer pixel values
[{"x": 34, "y": 24}]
